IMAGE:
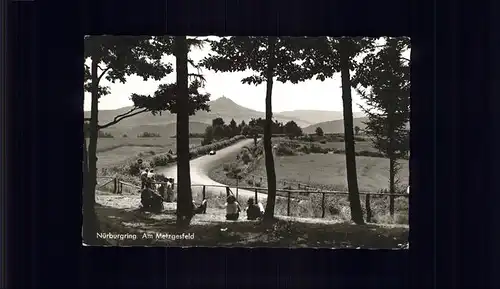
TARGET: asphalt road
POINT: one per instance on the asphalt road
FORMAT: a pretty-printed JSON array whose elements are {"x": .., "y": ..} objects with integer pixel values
[{"x": 201, "y": 166}]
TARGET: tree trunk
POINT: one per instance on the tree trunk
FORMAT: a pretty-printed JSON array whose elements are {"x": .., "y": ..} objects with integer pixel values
[
  {"x": 90, "y": 223},
  {"x": 350, "y": 152},
  {"x": 392, "y": 174},
  {"x": 270, "y": 170},
  {"x": 85, "y": 164},
  {"x": 184, "y": 197}
]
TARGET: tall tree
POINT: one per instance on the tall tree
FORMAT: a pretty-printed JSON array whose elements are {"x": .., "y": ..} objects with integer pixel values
[
  {"x": 384, "y": 80},
  {"x": 356, "y": 130},
  {"x": 184, "y": 198},
  {"x": 115, "y": 58},
  {"x": 319, "y": 131},
  {"x": 269, "y": 58},
  {"x": 233, "y": 128},
  {"x": 326, "y": 56},
  {"x": 292, "y": 129}
]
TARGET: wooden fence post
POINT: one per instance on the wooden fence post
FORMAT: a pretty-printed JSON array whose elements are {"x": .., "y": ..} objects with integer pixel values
[
  {"x": 256, "y": 196},
  {"x": 288, "y": 207},
  {"x": 203, "y": 192},
  {"x": 298, "y": 186},
  {"x": 227, "y": 191},
  {"x": 368, "y": 208},
  {"x": 391, "y": 205},
  {"x": 114, "y": 185},
  {"x": 323, "y": 206}
]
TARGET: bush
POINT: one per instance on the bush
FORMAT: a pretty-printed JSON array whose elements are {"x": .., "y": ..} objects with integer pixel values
[
  {"x": 322, "y": 141},
  {"x": 250, "y": 182},
  {"x": 370, "y": 154},
  {"x": 103, "y": 134},
  {"x": 245, "y": 157},
  {"x": 149, "y": 134},
  {"x": 257, "y": 184},
  {"x": 284, "y": 150},
  {"x": 134, "y": 169},
  {"x": 316, "y": 149},
  {"x": 124, "y": 135},
  {"x": 163, "y": 160}
]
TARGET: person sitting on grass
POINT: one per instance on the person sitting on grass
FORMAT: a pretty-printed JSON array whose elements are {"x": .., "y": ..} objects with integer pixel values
[
  {"x": 261, "y": 208},
  {"x": 233, "y": 209},
  {"x": 201, "y": 209},
  {"x": 151, "y": 201},
  {"x": 144, "y": 175},
  {"x": 253, "y": 210},
  {"x": 169, "y": 189},
  {"x": 151, "y": 174}
]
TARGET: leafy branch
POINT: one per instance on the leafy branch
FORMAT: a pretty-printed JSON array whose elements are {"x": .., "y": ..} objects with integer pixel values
[{"x": 123, "y": 116}]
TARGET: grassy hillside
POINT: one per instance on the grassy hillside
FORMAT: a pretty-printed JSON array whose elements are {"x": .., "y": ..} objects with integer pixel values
[{"x": 334, "y": 126}]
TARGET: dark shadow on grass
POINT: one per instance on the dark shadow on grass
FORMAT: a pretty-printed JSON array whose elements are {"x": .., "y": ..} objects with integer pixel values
[{"x": 280, "y": 232}]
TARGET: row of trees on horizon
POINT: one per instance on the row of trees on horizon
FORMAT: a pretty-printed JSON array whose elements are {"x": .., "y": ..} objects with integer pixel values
[
  {"x": 381, "y": 78},
  {"x": 219, "y": 129}
]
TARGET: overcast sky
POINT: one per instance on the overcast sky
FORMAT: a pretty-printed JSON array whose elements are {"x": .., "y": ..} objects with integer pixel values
[{"x": 312, "y": 94}]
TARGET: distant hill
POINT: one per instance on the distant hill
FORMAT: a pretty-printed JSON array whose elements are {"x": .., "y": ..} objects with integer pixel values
[
  {"x": 337, "y": 126},
  {"x": 165, "y": 130},
  {"x": 334, "y": 126},
  {"x": 221, "y": 107},
  {"x": 315, "y": 116}
]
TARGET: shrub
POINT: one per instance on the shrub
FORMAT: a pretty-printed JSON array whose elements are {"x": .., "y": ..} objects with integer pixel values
[
  {"x": 149, "y": 134},
  {"x": 103, "y": 134},
  {"x": 124, "y": 135},
  {"x": 316, "y": 149},
  {"x": 250, "y": 182},
  {"x": 245, "y": 157},
  {"x": 152, "y": 153},
  {"x": 134, "y": 169},
  {"x": 322, "y": 141},
  {"x": 257, "y": 184},
  {"x": 370, "y": 154},
  {"x": 284, "y": 150},
  {"x": 235, "y": 170},
  {"x": 305, "y": 149}
]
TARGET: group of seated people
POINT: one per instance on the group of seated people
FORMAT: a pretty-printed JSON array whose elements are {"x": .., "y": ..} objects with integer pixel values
[{"x": 233, "y": 209}]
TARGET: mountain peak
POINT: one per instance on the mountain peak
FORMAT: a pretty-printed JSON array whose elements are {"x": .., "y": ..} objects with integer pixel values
[{"x": 223, "y": 100}]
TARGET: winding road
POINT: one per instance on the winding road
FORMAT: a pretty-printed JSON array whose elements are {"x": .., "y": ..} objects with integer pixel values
[{"x": 201, "y": 166}]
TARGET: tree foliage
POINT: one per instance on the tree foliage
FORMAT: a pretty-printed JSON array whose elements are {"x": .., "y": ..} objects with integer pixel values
[
  {"x": 384, "y": 84},
  {"x": 121, "y": 56},
  {"x": 292, "y": 129},
  {"x": 319, "y": 131}
]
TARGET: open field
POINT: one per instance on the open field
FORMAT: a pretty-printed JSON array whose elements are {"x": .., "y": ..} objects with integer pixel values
[
  {"x": 115, "y": 151},
  {"x": 326, "y": 172},
  {"x": 212, "y": 229},
  {"x": 323, "y": 170}
]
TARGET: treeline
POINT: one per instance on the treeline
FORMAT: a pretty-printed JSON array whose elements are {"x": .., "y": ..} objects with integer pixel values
[{"x": 219, "y": 129}]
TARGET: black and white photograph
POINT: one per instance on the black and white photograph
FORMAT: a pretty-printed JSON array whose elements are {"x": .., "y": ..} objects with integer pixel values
[{"x": 246, "y": 141}]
